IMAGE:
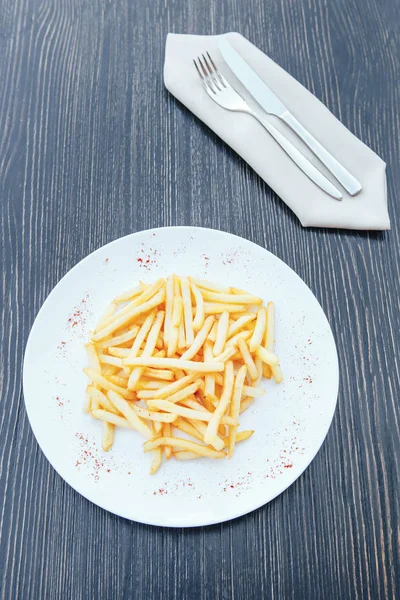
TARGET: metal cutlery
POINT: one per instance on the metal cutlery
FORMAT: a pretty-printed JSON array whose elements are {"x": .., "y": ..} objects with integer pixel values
[
  {"x": 225, "y": 96},
  {"x": 274, "y": 106}
]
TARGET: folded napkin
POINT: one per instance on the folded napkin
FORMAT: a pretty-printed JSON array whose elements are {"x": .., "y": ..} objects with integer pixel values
[{"x": 248, "y": 138}]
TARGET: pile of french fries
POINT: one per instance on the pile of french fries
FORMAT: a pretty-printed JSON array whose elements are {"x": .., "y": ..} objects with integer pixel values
[{"x": 178, "y": 361}]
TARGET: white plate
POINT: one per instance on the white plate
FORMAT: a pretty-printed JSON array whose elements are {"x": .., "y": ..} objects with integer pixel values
[{"x": 290, "y": 421}]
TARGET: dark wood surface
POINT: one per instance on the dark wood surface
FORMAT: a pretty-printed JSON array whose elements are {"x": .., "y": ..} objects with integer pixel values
[{"x": 92, "y": 147}]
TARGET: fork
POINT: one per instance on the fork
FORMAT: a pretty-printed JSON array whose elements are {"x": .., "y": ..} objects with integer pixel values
[{"x": 227, "y": 97}]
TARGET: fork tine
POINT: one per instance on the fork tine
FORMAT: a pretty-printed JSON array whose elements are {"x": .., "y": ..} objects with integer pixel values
[
  {"x": 198, "y": 70},
  {"x": 212, "y": 74},
  {"x": 207, "y": 80},
  {"x": 218, "y": 74}
]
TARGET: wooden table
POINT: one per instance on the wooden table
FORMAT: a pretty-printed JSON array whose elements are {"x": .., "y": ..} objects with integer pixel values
[{"x": 92, "y": 147}]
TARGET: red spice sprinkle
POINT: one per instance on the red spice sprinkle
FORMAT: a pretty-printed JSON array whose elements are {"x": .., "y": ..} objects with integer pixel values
[
  {"x": 59, "y": 401},
  {"x": 140, "y": 260},
  {"x": 108, "y": 470},
  {"x": 287, "y": 466}
]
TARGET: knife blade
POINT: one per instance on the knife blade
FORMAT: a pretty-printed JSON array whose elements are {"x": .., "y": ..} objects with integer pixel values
[{"x": 251, "y": 81}]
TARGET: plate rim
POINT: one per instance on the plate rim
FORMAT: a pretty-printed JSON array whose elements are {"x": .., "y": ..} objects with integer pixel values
[{"x": 202, "y": 522}]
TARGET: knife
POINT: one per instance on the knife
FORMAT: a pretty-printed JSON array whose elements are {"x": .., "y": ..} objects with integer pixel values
[{"x": 274, "y": 106}]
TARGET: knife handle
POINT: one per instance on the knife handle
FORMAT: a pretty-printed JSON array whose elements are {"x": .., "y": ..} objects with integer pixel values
[
  {"x": 301, "y": 161},
  {"x": 350, "y": 183}
]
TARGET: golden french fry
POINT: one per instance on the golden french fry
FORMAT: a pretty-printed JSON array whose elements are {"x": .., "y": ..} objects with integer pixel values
[
  {"x": 119, "y": 339},
  {"x": 148, "y": 349},
  {"x": 241, "y": 436},
  {"x": 162, "y": 374},
  {"x": 185, "y": 444},
  {"x": 93, "y": 359},
  {"x": 259, "y": 330},
  {"x": 107, "y": 370},
  {"x": 219, "y": 379},
  {"x": 187, "y": 310},
  {"x": 277, "y": 373},
  {"x": 100, "y": 399},
  {"x": 150, "y": 415},
  {"x": 188, "y": 413},
  {"x": 234, "y": 340},
  {"x": 248, "y": 359},
  {"x": 199, "y": 318},
  {"x": 212, "y": 336},
  {"x": 201, "y": 426},
  {"x": 245, "y": 403},
  {"x": 231, "y": 298},
  {"x": 185, "y": 455},
  {"x": 223, "y": 404},
  {"x": 240, "y": 323},
  {"x": 110, "y": 360},
  {"x": 222, "y": 333},
  {"x": 208, "y": 285},
  {"x": 267, "y": 371},
  {"x": 158, "y": 427},
  {"x": 177, "y": 311},
  {"x": 181, "y": 336},
  {"x": 122, "y": 405},
  {"x": 259, "y": 366},
  {"x": 104, "y": 415},
  {"x": 199, "y": 339},
  {"x": 206, "y": 400},
  {"x": 168, "y": 363},
  {"x": 150, "y": 384},
  {"x": 209, "y": 381},
  {"x": 188, "y": 428},
  {"x": 214, "y": 308},
  {"x": 235, "y": 407},
  {"x": 107, "y": 436},
  {"x": 156, "y": 461},
  {"x": 118, "y": 380},
  {"x": 184, "y": 392},
  {"x": 108, "y": 385},
  {"x": 129, "y": 294},
  {"x": 169, "y": 300},
  {"x": 226, "y": 354},
  {"x": 267, "y": 356},
  {"x": 167, "y": 432},
  {"x": 176, "y": 386},
  {"x": 141, "y": 336},
  {"x": 118, "y": 352},
  {"x": 254, "y": 392}
]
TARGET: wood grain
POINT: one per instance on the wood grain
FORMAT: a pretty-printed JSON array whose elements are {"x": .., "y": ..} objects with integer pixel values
[{"x": 91, "y": 148}]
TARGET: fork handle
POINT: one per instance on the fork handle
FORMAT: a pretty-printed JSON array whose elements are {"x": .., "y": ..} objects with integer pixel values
[
  {"x": 348, "y": 181},
  {"x": 301, "y": 161}
]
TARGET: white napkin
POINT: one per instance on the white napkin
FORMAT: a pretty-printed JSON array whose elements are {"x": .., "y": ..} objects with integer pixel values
[{"x": 248, "y": 138}]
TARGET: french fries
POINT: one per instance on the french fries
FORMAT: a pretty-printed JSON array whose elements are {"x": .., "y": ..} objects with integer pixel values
[{"x": 179, "y": 361}]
